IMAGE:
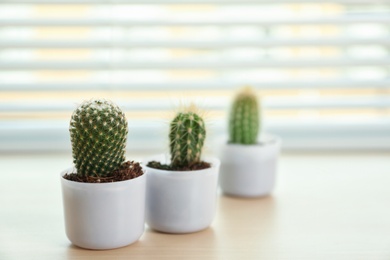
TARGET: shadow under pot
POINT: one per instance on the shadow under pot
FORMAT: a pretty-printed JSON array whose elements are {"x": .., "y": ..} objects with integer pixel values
[
  {"x": 249, "y": 170},
  {"x": 181, "y": 201},
  {"x": 104, "y": 215}
]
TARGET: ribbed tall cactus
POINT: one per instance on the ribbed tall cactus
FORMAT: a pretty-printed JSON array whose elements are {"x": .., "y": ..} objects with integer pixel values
[
  {"x": 98, "y": 132},
  {"x": 244, "y": 118},
  {"x": 187, "y": 135}
]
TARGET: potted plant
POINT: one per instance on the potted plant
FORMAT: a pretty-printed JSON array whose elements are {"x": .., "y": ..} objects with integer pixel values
[
  {"x": 248, "y": 162},
  {"x": 181, "y": 187},
  {"x": 103, "y": 196}
]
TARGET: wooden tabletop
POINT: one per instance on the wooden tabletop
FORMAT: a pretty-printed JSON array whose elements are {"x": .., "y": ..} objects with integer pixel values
[{"x": 325, "y": 207}]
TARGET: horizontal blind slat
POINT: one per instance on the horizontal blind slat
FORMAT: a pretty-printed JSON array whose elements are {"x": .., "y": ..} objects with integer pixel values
[
  {"x": 219, "y": 2},
  {"x": 180, "y": 65},
  {"x": 206, "y": 85},
  {"x": 41, "y": 136},
  {"x": 193, "y": 44},
  {"x": 209, "y": 103},
  {"x": 353, "y": 19}
]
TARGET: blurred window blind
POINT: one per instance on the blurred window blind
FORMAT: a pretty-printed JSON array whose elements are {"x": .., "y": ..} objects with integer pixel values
[{"x": 322, "y": 67}]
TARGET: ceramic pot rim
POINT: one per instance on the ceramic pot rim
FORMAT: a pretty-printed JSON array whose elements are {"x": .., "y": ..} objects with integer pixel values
[
  {"x": 97, "y": 185},
  {"x": 215, "y": 163}
]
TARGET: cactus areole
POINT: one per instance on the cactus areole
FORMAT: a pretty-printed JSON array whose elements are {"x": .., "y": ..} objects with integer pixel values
[
  {"x": 98, "y": 132},
  {"x": 244, "y": 120}
]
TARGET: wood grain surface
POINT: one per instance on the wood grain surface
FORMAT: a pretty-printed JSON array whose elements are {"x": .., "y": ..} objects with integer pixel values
[{"x": 325, "y": 207}]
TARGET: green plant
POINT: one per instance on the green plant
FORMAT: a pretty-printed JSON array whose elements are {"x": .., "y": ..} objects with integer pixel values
[
  {"x": 187, "y": 134},
  {"x": 244, "y": 118},
  {"x": 98, "y": 132}
]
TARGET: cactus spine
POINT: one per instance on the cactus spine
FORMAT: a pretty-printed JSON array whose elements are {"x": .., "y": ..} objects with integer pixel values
[
  {"x": 98, "y": 132},
  {"x": 244, "y": 118},
  {"x": 187, "y": 134}
]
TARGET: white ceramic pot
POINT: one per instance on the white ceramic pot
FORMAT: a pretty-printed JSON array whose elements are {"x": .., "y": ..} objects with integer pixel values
[
  {"x": 181, "y": 201},
  {"x": 249, "y": 170},
  {"x": 104, "y": 215}
]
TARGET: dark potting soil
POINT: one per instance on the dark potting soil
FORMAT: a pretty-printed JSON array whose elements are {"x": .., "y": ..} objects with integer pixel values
[
  {"x": 127, "y": 171},
  {"x": 193, "y": 167}
]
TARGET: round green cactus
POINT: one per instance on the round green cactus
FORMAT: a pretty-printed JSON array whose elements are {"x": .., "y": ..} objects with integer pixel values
[
  {"x": 187, "y": 134},
  {"x": 98, "y": 132},
  {"x": 244, "y": 120}
]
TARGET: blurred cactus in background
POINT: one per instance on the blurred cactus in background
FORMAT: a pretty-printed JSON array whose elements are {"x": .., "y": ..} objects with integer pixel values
[
  {"x": 98, "y": 131},
  {"x": 244, "y": 118}
]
